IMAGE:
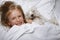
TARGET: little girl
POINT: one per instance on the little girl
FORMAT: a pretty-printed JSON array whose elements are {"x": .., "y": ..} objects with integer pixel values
[{"x": 12, "y": 14}]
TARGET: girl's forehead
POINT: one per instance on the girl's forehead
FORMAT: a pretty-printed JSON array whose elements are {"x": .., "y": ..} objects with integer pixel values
[
  {"x": 16, "y": 11},
  {"x": 13, "y": 12}
]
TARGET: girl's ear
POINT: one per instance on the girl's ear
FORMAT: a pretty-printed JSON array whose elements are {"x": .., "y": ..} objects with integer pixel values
[{"x": 9, "y": 24}]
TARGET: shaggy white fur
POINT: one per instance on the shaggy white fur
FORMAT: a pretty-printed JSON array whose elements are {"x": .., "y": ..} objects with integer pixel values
[{"x": 35, "y": 15}]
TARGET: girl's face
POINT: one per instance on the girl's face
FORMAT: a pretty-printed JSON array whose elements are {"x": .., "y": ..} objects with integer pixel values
[{"x": 15, "y": 18}]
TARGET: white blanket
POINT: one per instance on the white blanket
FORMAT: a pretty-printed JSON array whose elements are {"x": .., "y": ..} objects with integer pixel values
[{"x": 33, "y": 32}]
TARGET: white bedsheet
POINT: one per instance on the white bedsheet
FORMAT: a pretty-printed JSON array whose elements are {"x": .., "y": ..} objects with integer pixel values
[
  {"x": 33, "y": 32},
  {"x": 3, "y": 31}
]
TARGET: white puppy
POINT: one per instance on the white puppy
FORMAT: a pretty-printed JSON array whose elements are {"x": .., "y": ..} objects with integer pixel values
[{"x": 35, "y": 15}]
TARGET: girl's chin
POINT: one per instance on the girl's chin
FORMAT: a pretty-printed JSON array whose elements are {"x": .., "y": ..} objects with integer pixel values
[{"x": 19, "y": 24}]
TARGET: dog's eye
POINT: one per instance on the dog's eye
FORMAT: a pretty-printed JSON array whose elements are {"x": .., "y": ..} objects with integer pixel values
[{"x": 32, "y": 15}]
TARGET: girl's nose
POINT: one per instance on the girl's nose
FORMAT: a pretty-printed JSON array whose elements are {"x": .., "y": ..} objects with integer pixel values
[{"x": 17, "y": 19}]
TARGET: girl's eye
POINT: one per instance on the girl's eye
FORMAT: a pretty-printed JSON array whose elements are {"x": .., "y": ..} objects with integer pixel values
[
  {"x": 13, "y": 18},
  {"x": 19, "y": 16}
]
